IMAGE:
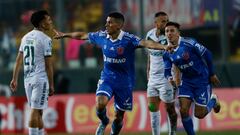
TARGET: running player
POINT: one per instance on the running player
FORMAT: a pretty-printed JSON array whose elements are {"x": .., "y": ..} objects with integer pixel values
[{"x": 195, "y": 64}]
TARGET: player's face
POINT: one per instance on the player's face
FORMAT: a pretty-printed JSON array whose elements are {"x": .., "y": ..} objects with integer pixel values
[
  {"x": 161, "y": 21},
  {"x": 112, "y": 26},
  {"x": 172, "y": 34},
  {"x": 47, "y": 23}
]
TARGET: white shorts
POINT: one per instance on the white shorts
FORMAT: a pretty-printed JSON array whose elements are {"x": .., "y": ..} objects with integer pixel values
[
  {"x": 164, "y": 91},
  {"x": 37, "y": 91}
]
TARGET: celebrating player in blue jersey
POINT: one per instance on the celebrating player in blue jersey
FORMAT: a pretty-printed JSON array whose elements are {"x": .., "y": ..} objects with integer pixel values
[
  {"x": 117, "y": 77},
  {"x": 195, "y": 64}
]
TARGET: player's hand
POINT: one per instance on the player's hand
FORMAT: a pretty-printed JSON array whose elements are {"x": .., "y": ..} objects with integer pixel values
[
  {"x": 51, "y": 91},
  {"x": 58, "y": 34},
  {"x": 170, "y": 48},
  {"x": 13, "y": 85},
  {"x": 214, "y": 80}
]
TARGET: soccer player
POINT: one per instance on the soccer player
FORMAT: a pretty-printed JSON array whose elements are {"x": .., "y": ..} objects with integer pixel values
[
  {"x": 117, "y": 77},
  {"x": 195, "y": 64},
  {"x": 159, "y": 89},
  {"x": 35, "y": 53}
]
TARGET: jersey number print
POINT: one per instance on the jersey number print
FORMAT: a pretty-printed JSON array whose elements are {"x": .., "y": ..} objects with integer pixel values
[{"x": 29, "y": 53}]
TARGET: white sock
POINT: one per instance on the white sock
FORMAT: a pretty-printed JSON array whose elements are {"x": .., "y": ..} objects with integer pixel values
[
  {"x": 33, "y": 131},
  {"x": 41, "y": 132},
  {"x": 155, "y": 122}
]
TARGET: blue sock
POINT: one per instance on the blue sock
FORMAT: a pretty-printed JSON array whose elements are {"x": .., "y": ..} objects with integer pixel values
[
  {"x": 103, "y": 116},
  {"x": 188, "y": 125},
  {"x": 211, "y": 104},
  {"x": 116, "y": 128}
]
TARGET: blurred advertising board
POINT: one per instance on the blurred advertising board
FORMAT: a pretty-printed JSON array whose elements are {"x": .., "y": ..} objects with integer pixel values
[{"x": 76, "y": 114}]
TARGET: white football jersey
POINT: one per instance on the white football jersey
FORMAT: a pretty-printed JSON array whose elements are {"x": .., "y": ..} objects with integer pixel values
[
  {"x": 35, "y": 46},
  {"x": 156, "y": 72}
]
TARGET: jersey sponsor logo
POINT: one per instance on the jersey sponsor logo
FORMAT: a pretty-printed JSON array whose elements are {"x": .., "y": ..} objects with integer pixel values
[
  {"x": 156, "y": 53},
  {"x": 186, "y": 65},
  {"x": 120, "y": 50},
  {"x": 114, "y": 60},
  {"x": 185, "y": 55}
]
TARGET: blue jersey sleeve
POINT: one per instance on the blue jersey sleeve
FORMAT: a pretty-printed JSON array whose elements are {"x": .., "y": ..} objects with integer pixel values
[
  {"x": 135, "y": 40},
  {"x": 167, "y": 65},
  {"x": 206, "y": 55},
  {"x": 208, "y": 58},
  {"x": 96, "y": 37},
  {"x": 200, "y": 48}
]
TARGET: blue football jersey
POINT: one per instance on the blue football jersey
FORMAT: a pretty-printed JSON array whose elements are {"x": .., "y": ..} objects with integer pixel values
[
  {"x": 118, "y": 56},
  {"x": 188, "y": 57}
]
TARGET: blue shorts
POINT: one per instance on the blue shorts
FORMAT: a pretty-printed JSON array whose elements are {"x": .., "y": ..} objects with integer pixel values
[
  {"x": 122, "y": 94},
  {"x": 199, "y": 94}
]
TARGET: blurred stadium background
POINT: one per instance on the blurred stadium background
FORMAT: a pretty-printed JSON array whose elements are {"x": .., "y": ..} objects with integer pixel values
[{"x": 214, "y": 23}]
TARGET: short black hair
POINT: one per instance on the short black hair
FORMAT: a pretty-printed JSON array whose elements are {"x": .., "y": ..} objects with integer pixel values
[
  {"x": 175, "y": 24},
  {"x": 117, "y": 15},
  {"x": 37, "y": 17},
  {"x": 160, "y": 13}
]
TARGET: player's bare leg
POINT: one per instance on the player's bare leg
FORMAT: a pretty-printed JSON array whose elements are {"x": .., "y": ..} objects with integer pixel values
[
  {"x": 33, "y": 122},
  {"x": 40, "y": 123},
  {"x": 153, "y": 106},
  {"x": 101, "y": 103},
  {"x": 118, "y": 122},
  {"x": 170, "y": 107}
]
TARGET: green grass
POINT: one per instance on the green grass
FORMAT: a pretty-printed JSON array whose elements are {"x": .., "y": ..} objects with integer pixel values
[{"x": 235, "y": 132}]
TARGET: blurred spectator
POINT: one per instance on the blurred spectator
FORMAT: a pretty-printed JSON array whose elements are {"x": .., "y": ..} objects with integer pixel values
[
  {"x": 73, "y": 47},
  {"x": 5, "y": 91},
  {"x": 90, "y": 55},
  {"x": 72, "y": 53},
  {"x": 235, "y": 32},
  {"x": 8, "y": 47}
]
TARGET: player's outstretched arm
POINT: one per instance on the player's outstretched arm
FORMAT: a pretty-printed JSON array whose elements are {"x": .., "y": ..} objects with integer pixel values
[
  {"x": 16, "y": 70},
  {"x": 74, "y": 35},
  {"x": 154, "y": 45}
]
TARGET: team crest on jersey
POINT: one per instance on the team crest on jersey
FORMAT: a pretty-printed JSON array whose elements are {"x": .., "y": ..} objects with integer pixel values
[
  {"x": 185, "y": 55},
  {"x": 120, "y": 50}
]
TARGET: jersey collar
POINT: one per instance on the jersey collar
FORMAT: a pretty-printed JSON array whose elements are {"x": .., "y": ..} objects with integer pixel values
[{"x": 120, "y": 36}]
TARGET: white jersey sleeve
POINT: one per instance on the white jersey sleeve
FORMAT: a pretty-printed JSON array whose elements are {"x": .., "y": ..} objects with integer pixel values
[{"x": 47, "y": 47}]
